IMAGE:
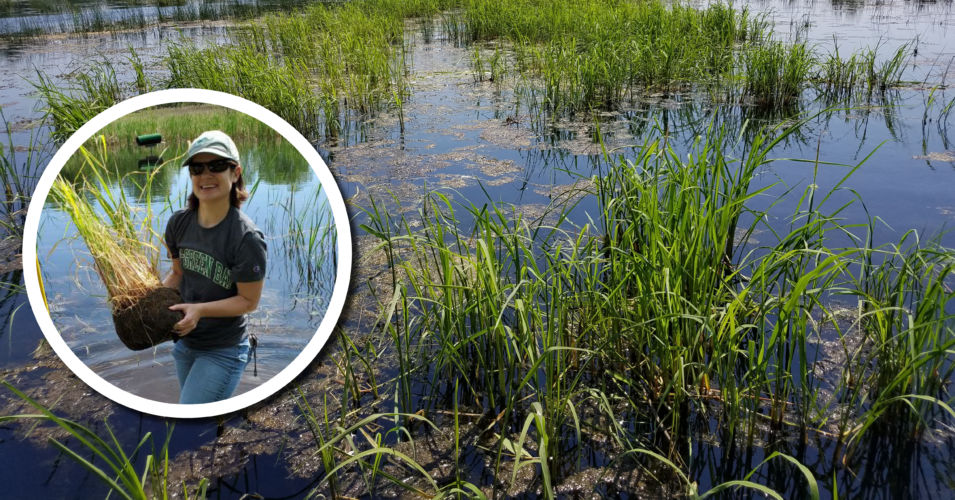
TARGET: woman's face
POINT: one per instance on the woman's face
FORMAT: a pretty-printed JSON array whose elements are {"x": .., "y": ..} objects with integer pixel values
[{"x": 210, "y": 186}]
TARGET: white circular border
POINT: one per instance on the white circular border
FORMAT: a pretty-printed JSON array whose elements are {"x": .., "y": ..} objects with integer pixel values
[{"x": 300, "y": 362}]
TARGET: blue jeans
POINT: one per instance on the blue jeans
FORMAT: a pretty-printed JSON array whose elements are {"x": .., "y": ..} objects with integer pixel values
[{"x": 209, "y": 375}]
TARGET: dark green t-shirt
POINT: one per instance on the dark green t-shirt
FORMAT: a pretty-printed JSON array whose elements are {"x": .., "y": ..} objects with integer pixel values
[{"x": 213, "y": 260}]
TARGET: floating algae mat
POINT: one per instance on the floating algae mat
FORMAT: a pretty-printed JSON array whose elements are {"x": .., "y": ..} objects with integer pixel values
[{"x": 125, "y": 260}]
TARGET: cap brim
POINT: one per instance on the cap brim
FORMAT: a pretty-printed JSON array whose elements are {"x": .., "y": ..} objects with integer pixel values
[{"x": 215, "y": 151}]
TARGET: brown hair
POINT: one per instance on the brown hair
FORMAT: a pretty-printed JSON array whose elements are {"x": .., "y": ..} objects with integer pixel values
[{"x": 237, "y": 196}]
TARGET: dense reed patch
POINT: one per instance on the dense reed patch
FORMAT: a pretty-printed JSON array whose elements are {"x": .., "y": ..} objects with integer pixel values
[
  {"x": 315, "y": 67},
  {"x": 659, "y": 312},
  {"x": 596, "y": 54},
  {"x": 579, "y": 56}
]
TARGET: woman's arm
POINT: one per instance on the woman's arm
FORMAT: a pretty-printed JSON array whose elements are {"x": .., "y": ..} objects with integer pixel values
[
  {"x": 246, "y": 301},
  {"x": 174, "y": 277}
]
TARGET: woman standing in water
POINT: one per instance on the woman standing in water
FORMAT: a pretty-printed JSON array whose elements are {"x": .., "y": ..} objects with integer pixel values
[{"x": 218, "y": 265}]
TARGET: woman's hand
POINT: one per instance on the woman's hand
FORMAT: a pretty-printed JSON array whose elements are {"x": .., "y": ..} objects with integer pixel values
[{"x": 191, "y": 317}]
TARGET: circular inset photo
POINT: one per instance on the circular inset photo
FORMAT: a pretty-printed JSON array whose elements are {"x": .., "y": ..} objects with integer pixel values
[{"x": 192, "y": 253}]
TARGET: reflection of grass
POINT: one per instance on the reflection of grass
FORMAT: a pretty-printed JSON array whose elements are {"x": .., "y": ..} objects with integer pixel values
[{"x": 85, "y": 16}]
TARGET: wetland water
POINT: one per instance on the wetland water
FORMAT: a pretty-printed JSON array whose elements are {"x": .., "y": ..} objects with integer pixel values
[{"x": 459, "y": 134}]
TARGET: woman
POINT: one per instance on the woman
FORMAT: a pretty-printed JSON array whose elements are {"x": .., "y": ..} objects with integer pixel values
[{"x": 218, "y": 265}]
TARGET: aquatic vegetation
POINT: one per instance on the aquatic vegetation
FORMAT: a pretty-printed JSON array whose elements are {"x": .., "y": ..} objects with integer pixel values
[
  {"x": 125, "y": 260},
  {"x": 339, "y": 447},
  {"x": 903, "y": 367},
  {"x": 776, "y": 72},
  {"x": 18, "y": 173},
  {"x": 863, "y": 75},
  {"x": 310, "y": 243},
  {"x": 247, "y": 72},
  {"x": 125, "y": 255},
  {"x": 657, "y": 311},
  {"x": 119, "y": 474},
  {"x": 596, "y": 54},
  {"x": 601, "y": 55},
  {"x": 69, "y": 107},
  {"x": 631, "y": 337}
]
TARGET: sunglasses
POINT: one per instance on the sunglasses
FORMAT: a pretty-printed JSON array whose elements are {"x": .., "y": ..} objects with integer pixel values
[{"x": 214, "y": 166}]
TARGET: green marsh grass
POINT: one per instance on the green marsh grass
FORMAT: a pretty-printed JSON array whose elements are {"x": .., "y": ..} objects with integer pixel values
[
  {"x": 659, "y": 310},
  {"x": 863, "y": 75},
  {"x": 329, "y": 64},
  {"x": 69, "y": 107},
  {"x": 18, "y": 175},
  {"x": 313, "y": 67},
  {"x": 596, "y": 54},
  {"x": 776, "y": 73},
  {"x": 590, "y": 55},
  {"x": 341, "y": 447},
  {"x": 310, "y": 242},
  {"x": 283, "y": 87},
  {"x": 902, "y": 370},
  {"x": 118, "y": 470},
  {"x": 167, "y": 121}
]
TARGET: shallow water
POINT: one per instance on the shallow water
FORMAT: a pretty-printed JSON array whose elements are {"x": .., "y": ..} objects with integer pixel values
[
  {"x": 29, "y": 18},
  {"x": 457, "y": 136}
]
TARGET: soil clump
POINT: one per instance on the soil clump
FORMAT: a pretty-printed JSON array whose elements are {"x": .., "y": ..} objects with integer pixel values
[{"x": 149, "y": 321}]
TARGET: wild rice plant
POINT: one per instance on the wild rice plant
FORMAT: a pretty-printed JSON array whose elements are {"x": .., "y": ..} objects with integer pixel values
[
  {"x": 341, "y": 446},
  {"x": 124, "y": 258},
  {"x": 863, "y": 75},
  {"x": 242, "y": 70},
  {"x": 659, "y": 311},
  {"x": 119, "y": 473},
  {"x": 901, "y": 372},
  {"x": 812, "y": 485},
  {"x": 307, "y": 67},
  {"x": 310, "y": 244},
  {"x": 591, "y": 54},
  {"x": 775, "y": 72},
  {"x": 69, "y": 107},
  {"x": 18, "y": 175}
]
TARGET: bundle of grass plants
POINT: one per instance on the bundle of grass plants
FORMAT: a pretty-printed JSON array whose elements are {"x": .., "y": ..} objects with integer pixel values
[{"x": 125, "y": 261}]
